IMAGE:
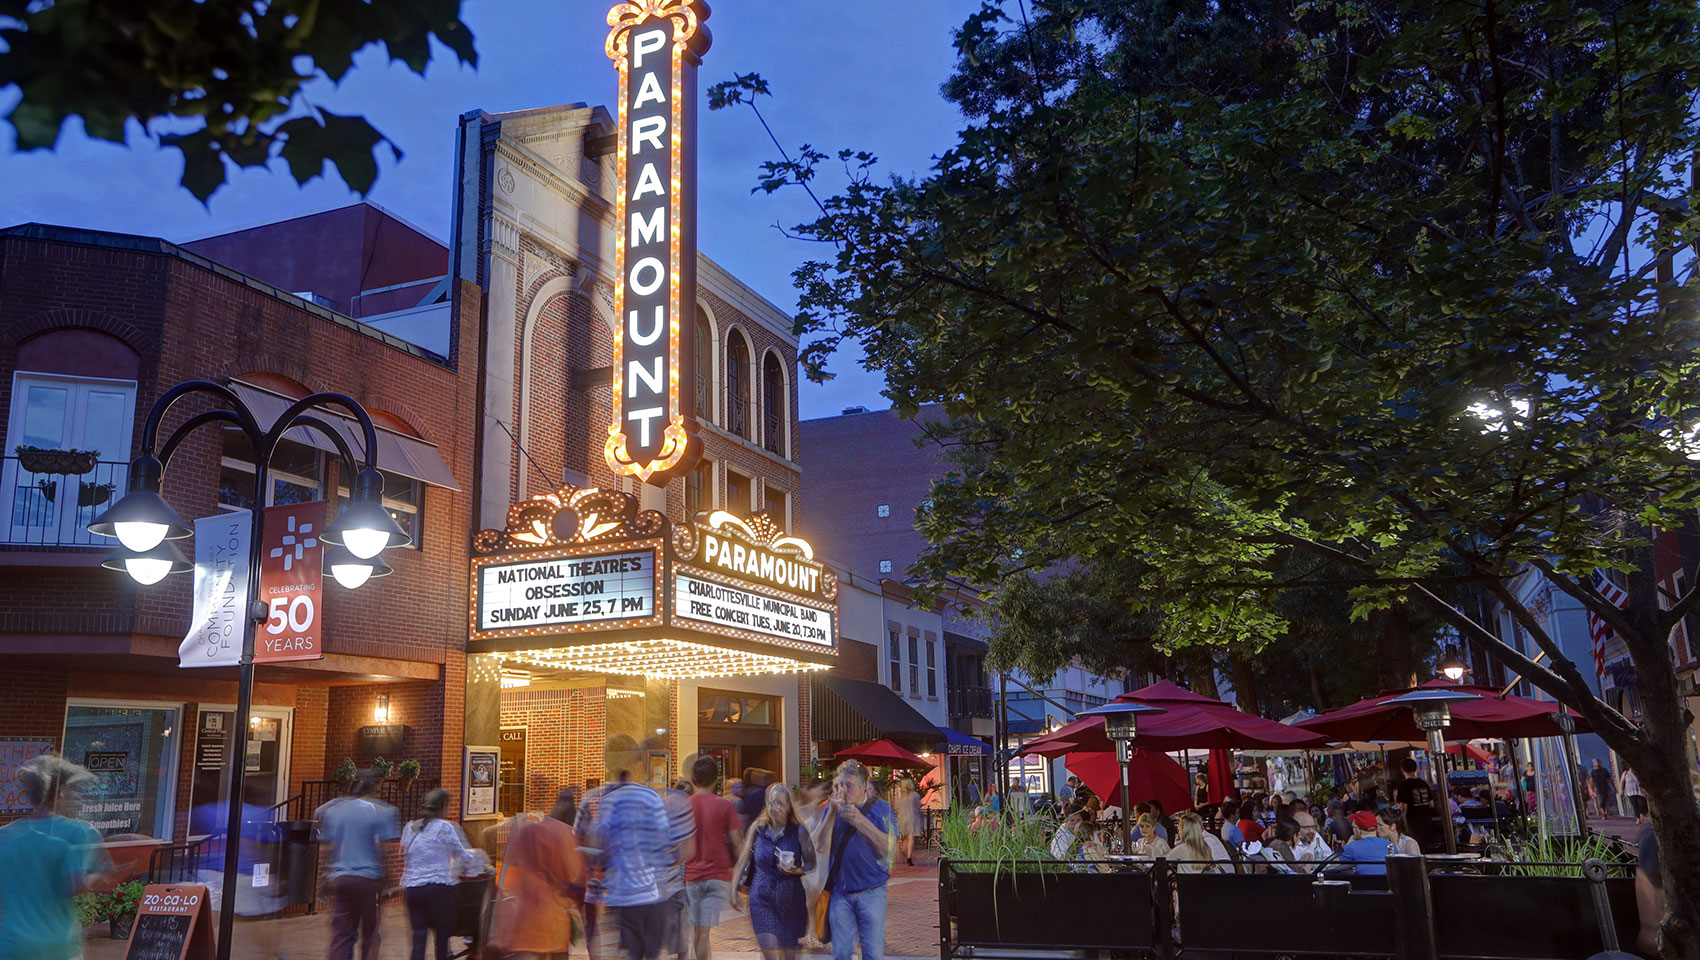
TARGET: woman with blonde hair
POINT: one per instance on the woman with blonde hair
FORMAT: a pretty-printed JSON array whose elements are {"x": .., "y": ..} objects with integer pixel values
[
  {"x": 777, "y": 853},
  {"x": 1151, "y": 842},
  {"x": 1197, "y": 844}
]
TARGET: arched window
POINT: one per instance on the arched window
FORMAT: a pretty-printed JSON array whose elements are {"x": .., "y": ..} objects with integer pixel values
[
  {"x": 704, "y": 357},
  {"x": 772, "y": 405},
  {"x": 738, "y": 386}
]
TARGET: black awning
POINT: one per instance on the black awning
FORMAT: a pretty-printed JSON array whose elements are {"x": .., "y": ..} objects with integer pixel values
[{"x": 856, "y": 711}]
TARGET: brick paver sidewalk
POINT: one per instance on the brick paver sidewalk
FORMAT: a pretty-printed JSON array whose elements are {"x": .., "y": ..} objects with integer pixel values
[{"x": 912, "y": 922}]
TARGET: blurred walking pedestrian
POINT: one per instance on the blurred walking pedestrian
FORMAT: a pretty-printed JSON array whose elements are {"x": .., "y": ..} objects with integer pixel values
[
  {"x": 46, "y": 859},
  {"x": 541, "y": 881},
  {"x": 356, "y": 827},
  {"x": 777, "y": 853},
  {"x": 861, "y": 832},
  {"x": 637, "y": 853},
  {"x": 708, "y": 873},
  {"x": 435, "y": 856}
]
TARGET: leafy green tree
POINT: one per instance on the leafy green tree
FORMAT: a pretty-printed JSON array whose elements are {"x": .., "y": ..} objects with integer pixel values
[
  {"x": 1401, "y": 286},
  {"x": 220, "y": 80}
]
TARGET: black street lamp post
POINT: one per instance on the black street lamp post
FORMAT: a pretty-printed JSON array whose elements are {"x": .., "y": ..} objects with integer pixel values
[{"x": 145, "y": 525}]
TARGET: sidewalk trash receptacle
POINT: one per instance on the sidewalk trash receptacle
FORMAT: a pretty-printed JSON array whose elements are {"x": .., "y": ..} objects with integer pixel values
[{"x": 299, "y": 862}]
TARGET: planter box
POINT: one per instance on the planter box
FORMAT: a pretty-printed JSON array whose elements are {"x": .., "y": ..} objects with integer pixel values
[
  {"x": 1529, "y": 918},
  {"x": 1107, "y": 911},
  {"x": 1282, "y": 914}
]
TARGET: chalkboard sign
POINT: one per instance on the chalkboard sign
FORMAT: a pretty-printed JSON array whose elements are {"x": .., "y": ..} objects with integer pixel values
[{"x": 172, "y": 923}]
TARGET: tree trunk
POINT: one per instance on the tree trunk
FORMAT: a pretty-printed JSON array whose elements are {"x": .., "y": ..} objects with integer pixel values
[
  {"x": 1660, "y": 760},
  {"x": 1245, "y": 684},
  {"x": 1202, "y": 674},
  {"x": 1395, "y": 667}
]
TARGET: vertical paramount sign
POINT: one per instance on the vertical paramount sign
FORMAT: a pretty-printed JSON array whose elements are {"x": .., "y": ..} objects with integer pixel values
[{"x": 656, "y": 46}]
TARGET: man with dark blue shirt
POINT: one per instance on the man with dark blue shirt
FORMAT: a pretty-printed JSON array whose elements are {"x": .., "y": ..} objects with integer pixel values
[{"x": 860, "y": 831}]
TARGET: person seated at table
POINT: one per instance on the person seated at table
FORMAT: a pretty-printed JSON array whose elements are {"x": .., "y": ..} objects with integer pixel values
[
  {"x": 1476, "y": 807},
  {"x": 1367, "y": 852},
  {"x": 1164, "y": 823},
  {"x": 1068, "y": 836},
  {"x": 1250, "y": 824},
  {"x": 1150, "y": 839},
  {"x": 1310, "y": 847},
  {"x": 1199, "y": 851},
  {"x": 1147, "y": 812},
  {"x": 1278, "y": 839},
  {"x": 1390, "y": 826},
  {"x": 1338, "y": 828},
  {"x": 1230, "y": 835}
]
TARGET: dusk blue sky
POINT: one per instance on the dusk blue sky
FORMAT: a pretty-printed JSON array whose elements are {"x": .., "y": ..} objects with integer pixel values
[{"x": 862, "y": 75}]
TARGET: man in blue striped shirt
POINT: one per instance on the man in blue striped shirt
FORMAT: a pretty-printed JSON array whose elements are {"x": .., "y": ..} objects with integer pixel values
[{"x": 640, "y": 855}]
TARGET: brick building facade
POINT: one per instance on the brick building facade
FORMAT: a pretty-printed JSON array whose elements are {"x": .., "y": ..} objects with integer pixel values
[
  {"x": 93, "y": 328},
  {"x": 534, "y": 236}
]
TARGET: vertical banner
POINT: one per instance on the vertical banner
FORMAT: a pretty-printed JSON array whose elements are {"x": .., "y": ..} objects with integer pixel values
[
  {"x": 222, "y": 546},
  {"x": 291, "y": 574},
  {"x": 656, "y": 46}
]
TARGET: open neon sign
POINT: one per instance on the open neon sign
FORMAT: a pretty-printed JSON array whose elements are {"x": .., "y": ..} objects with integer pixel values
[{"x": 656, "y": 45}]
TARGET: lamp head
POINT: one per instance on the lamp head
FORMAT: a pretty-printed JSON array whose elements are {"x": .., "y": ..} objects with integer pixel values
[
  {"x": 352, "y": 571},
  {"x": 141, "y": 518},
  {"x": 364, "y": 526},
  {"x": 149, "y": 566},
  {"x": 1432, "y": 707},
  {"x": 1121, "y": 717},
  {"x": 1452, "y": 666}
]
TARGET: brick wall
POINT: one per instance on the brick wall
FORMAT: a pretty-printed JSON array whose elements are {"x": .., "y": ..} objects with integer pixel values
[{"x": 566, "y": 733}]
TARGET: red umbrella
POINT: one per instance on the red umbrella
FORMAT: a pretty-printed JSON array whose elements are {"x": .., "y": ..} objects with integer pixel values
[
  {"x": 1190, "y": 721},
  {"x": 883, "y": 753},
  {"x": 1490, "y": 716},
  {"x": 1151, "y": 776}
]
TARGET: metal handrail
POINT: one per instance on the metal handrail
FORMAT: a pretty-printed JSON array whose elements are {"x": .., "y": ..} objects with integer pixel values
[{"x": 33, "y": 511}]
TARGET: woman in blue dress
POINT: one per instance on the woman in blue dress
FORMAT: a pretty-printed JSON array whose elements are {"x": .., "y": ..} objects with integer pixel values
[{"x": 777, "y": 853}]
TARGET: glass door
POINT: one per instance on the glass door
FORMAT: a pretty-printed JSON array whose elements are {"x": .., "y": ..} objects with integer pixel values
[
  {"x": 266, "y": 774},
  {"x": 63, "y": 413}
]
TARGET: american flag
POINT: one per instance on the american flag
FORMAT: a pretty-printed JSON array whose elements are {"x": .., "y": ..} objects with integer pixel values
[{"x": 1597, "y": 628}]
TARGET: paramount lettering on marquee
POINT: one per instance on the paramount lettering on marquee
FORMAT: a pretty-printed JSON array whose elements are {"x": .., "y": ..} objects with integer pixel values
[
  {"x": 760, "y": 563},
  {"x": 656, "y": 46},
  {"x": 731, "y": 607},
  {"x": 567, "y": 590}
]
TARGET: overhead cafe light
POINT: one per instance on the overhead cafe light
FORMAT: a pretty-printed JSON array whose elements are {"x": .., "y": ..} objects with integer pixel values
[{"x": 618, "y": 693}]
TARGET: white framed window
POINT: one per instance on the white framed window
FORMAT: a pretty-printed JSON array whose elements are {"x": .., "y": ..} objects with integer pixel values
[
  {"x": 131, "y": 748},
  {"x": 932, "y": 669},
  {"x": 297, "y": 474},
  {"x": 895, "y": 656},
  {"x": 699, "y": 489},
  {"x": 914, "y": 666},
  {"x": 65, "y": 413}
]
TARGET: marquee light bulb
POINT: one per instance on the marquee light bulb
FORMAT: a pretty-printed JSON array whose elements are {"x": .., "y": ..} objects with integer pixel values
[{"x": 140, "y": 536}]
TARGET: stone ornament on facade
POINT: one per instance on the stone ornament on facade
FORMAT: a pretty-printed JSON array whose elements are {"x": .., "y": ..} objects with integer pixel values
[{"x": 571, "y": 515}]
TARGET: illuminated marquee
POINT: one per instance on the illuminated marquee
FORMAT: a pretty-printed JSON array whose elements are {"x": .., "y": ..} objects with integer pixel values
[
  {"x": 755, "y": 549},
  {"x": 656, "y": 45}
]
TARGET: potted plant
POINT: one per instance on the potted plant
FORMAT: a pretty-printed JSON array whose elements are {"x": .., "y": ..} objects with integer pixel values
[
  {"x": 383, "y": 767},
  {"x": 120, "y": 907},
  {"x": 345, "y": 771},
  {"x": 94, "y": 494},
  {"x": 49, "y": 460},
  {"x": 408, "y": 770},
  {"x": 90, "y": 908}
]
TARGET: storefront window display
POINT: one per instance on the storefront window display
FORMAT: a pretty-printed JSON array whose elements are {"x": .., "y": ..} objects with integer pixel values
[{"x": 131, "y": 749}]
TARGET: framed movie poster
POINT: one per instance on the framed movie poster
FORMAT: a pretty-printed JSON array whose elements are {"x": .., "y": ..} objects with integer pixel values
[{"x": 479, "y": 782}]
